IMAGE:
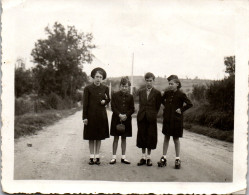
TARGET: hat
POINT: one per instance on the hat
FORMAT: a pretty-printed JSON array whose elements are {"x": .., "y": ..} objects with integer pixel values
[
  {"x": 172, "y": 77},
  {"x": 100, "y": 70},
  {"x": 176, "y": 80}
]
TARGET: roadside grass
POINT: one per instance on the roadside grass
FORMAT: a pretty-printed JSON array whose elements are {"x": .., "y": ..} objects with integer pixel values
[
  {"x": 30, "y": 123},
  {"x": 210, "y": 132},
  {"x": 207, "y": 131}
]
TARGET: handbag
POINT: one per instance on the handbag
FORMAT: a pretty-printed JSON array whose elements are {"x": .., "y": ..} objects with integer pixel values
[{"x": 120, "y": 128}]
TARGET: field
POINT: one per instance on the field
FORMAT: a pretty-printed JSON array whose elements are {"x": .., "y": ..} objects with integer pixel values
[{"x": 162, "y": 83}]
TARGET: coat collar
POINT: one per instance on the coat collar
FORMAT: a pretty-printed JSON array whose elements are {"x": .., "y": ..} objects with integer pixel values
[{"x": 151, "y": 93}]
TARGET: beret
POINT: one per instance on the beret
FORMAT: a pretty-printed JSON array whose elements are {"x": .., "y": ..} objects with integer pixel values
[{"x": 101, "y": 70}]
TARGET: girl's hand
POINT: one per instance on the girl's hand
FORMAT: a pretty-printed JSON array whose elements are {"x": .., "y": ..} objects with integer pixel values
[
  {"x": 102, "y": 102},
  {"x": 124, "y": 117},
  {"x": 179, "y": 111},
  {"x": 85, "y": 121}
]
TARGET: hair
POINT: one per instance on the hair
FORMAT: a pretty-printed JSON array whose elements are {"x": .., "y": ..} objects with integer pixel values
[
  {"x": 177, "y": 81},
  {"x": 124, "y": 81},
  {"x": 149, "y": 75},
  {"x": 100, "y": 72},
  {"x": 172, "y": 77}
]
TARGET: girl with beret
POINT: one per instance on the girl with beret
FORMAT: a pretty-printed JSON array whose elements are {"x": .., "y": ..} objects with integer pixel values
[
  {"x": 175, "y": 103},
  {"x": 95, "y": 98},
  {"x": 123, "y": 107}
]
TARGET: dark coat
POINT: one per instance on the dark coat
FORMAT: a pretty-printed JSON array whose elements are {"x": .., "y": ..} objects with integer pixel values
[
  {"x": 97, "y": 127},
  {"x": 122, "y": 104},
  {"x": 173, "y": 121},
  {"x": 147, "y": 118}
]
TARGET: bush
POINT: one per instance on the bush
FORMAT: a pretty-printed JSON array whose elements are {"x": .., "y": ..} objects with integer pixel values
[
  {"x": 23, "y": 82},
  {"x": 220, "y": 94},
  {"x": 199, "y": 93},
  {"x": 213, "y": 105},
  {"x": 204, "y": 115},
  {"x": 56, "y": 102},
  {"x": 23, "y": 106}
]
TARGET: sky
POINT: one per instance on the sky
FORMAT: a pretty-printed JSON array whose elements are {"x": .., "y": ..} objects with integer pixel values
[{"x": 186, "y": 38}]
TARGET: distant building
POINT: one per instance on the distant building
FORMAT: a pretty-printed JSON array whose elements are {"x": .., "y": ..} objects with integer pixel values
[{"x": 20, "y": 63}]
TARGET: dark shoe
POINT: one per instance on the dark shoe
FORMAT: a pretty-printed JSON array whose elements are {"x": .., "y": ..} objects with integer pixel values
[
  {"x": 113, "y": 161},
  {"x": 141, "y": 162},
  {"x": 177, "y": 164},
  {"x": 91, "y": 162},
  {"x": 149, "y": 162},
  {"x": 125, "y": 161},
  {"x": 97, "y": 162},
  {"x": 162, "y": 162}
]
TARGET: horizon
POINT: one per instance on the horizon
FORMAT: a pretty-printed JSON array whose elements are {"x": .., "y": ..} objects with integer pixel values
[{"x": 166, "y": 38}]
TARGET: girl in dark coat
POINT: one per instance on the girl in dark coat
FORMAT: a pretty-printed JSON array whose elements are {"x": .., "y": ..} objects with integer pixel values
[
  {"x": 95, "y": 98},
  {"x": 123, "y": 107},
  {"x": 175, "y": 103}
]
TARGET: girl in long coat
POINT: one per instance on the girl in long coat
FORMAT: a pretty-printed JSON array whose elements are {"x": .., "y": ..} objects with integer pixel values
[
  {"x": 175, "y": 103},
  {"x": 123, "y": 107},
  {"x": 95, "y": 98}
]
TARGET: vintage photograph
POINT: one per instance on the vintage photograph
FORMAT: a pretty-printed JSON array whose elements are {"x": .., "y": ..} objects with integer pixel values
[{"x": 124, "y": 93}]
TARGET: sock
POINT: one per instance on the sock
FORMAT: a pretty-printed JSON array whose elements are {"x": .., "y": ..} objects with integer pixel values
[
  {"x": 96, "y": 155},
  {"x": 143, "y": 156},
  {"x": 114, "y": 156},
  {"x": 164, "y": 156},
  {"x": 91, "y": 155},
  {"x": 148, "y": 156},
  {"x": 123, "y": 156},
  {"x": 178, "y": 158}
]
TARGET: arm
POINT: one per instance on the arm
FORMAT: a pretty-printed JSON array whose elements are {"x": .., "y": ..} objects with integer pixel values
[
  {"x": 187, "y": 101},
  {"x": 114, "y": 106},
  {"x": 85, "y": 103},
  {"x": 158, "y": 101},
  {"x": 131, "y": 108},
  {"x": 163, "y": 98},
  {"x": 107, "y": 97}
]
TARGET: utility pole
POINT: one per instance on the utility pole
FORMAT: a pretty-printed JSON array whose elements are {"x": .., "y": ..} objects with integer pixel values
[{"x": 132, "y": 82}]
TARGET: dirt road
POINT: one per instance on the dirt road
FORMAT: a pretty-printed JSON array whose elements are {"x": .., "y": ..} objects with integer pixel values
[{"x": 58, "y": 152}]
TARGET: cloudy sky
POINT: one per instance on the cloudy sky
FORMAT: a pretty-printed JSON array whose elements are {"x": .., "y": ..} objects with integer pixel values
[{"x": 187, "y": 38}]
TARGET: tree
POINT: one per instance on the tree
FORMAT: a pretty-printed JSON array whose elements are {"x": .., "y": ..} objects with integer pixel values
[
  {"x": 59, "y": 60},
  {"x": 230, "y": 65},
  {"x": 23, "y": 81}
]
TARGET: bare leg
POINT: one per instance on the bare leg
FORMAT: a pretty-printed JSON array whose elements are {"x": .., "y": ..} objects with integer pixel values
[
  {"x": 115, "y": 145},
  {"x": 166, "y": 144},
  {"x": 177, "y": 146},
  {"x": 91, "y": 147},
  {"x": 97, "y": 146},
  {"x": 123, "y": 145}
]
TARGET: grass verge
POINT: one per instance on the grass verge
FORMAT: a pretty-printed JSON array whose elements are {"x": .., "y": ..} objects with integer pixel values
[
  {"x": 29, "y": 123},
  {"x": 207, "y": 131},
  {"x": 210, "y": 132}
]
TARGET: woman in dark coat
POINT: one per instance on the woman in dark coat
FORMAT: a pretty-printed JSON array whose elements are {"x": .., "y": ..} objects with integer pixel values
[
  {"x": 95, "y": 98},
  {"x": 175, "y": 103},
  {"x": 123, "y": 107}
]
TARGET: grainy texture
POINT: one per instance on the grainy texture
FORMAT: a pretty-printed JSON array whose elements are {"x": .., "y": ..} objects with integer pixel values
[{"x": 59, "y": 153}]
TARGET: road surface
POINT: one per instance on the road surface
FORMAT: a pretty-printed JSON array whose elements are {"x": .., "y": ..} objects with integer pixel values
[{"x": 58, "y": 152}]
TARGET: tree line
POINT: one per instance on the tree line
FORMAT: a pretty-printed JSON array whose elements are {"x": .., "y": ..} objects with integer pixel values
[
  {"x": 214, "y": 102},
  {"x": 58, "y": 61}
]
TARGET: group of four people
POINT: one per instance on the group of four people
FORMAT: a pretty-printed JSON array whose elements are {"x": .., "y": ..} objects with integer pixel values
[{"x": 96, "y": 97}]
